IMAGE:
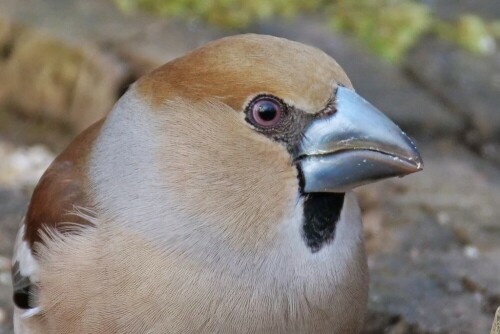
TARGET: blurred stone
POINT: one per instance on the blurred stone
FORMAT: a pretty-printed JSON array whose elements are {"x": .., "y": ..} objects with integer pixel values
[
  {"x": 413, "y": 109},
  {"x": 469, "y": 83},
  {"x": 17, "y": 128},
  {"x": 5, "y": 322},
  {"x": 377, "y": 323},
  {"x": 5, "y": 263},
  {"x": 163, "y": 41},
  {"x": 143, "y": 41},
  {"x": 451, "y": 9},
  {"x": 12, "y": 206},
  {"x": 5, "y": 278},
  {"x": 374, "y": 233},
  {"x": 22, "y": 167},
  {"x": 369, "y": 197},
  {"x": 74, "y": 21},
  {"x": 3, "y": 316},
  {"x": 75, "y": 84},
  {"x": 72, "y": 67},
  {"x": 491, "y": 151}
]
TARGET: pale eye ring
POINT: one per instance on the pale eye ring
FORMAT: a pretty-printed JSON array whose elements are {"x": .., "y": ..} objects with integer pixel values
[{"x": 266, "y": 112}]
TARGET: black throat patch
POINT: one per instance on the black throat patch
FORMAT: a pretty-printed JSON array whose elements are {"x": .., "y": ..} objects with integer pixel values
[{"x": 321, "y": 214}]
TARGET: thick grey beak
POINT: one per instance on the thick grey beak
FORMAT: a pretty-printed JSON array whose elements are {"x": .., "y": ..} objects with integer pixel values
[{"x": 355, "y": 145}]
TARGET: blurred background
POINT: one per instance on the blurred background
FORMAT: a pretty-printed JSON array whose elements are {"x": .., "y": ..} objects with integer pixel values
[{"x": 433, "y": 66}]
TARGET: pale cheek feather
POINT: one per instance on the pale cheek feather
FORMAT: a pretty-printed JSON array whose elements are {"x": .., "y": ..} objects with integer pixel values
[
  {"x": 234, "y": 180},
  {"x": 188, "y": 177}
]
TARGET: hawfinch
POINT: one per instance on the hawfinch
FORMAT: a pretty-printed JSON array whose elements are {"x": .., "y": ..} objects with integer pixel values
[{"x": 214, "y": 198}]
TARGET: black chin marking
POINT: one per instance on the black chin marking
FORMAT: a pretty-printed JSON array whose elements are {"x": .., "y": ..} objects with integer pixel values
[{"x": 321, "y": 214}]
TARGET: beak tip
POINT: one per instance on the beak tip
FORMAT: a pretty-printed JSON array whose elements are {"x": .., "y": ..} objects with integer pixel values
[
  {"x": 420, "y": 164},
  {"x": 413, "y": 155},
  {"x": 417, "y": 164}
]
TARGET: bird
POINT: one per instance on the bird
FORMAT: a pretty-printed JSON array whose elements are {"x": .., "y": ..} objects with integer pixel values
[{"x": 215, "y": 197}]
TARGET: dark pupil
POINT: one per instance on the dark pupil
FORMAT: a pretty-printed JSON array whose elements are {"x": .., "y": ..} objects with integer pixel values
[{"x": 267, "y": 111}]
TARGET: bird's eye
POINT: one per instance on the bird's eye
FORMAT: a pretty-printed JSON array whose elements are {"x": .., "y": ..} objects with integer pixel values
[{"x": 266, "y": 112}]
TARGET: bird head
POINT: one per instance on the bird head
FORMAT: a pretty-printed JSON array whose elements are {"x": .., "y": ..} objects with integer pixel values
[{"x": 241, "y": 131}]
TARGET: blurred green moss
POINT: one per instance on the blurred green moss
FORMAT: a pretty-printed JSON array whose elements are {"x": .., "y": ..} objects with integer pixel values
[
  {"x": 495, "y": 29},
  {"x": 471, "y": 33},
  {"x": 388, "y": 27},
  {"x": 225, "y": 13}
]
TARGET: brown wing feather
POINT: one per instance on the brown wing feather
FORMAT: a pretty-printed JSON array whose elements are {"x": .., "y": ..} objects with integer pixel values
[{"x": 61, "y": 189}]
